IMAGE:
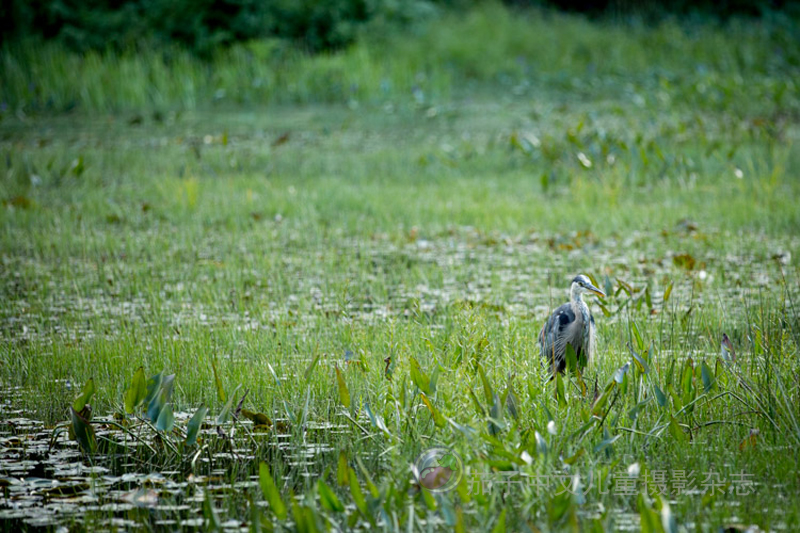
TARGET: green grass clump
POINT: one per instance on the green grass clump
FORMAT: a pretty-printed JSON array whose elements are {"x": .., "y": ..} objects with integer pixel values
[
  {"x": 752, "y": 63},
  {"x": 374, "y": 266}
]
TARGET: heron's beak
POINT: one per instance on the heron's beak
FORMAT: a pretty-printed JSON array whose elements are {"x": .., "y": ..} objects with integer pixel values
[{"x": 595, "y": 290}]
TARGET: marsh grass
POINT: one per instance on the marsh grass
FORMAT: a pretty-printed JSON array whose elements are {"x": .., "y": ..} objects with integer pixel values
[
  {"x": 298, "y": 249},
  {"x": 488, "y": 48}
]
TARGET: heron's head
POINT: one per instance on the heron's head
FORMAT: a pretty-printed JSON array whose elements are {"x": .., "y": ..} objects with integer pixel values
[{"x": 582, "y": 284}]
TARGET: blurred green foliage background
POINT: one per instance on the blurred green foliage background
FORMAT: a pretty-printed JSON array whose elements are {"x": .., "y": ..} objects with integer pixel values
[{"x": 315, "y": 25}]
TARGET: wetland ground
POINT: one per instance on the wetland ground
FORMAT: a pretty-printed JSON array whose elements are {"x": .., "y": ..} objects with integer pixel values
[{"x": 342, "y": 278}]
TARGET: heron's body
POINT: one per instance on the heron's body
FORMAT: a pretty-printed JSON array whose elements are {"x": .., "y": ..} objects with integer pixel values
[{"x": 570, "y": 324}]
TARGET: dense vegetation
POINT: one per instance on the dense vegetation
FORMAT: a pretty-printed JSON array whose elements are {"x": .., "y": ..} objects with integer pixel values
[
  {"x": 345, "y": 259},
  {"x": 202, "y": 26}
]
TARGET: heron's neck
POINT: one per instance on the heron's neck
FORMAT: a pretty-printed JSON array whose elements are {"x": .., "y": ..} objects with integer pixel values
[{"x": 575, "y": 293}]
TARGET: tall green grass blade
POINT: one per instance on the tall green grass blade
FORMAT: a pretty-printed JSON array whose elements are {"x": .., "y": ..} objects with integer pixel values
[
  {"x": 500, "y": 525},
  {"x": 344, "y": 394},
  {"x": 488, "y": 391},
  {"x": 221, "y": 396},
  {"x": 212, "y": 522},
  {"x": 311, "y": 367},
  {"x": 356, "y": 492},
  {"x": 271, "y": 492},
  {"x": 328, "y": 498}
]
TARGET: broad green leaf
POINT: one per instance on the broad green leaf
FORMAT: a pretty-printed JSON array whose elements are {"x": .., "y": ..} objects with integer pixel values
[
  {"x": 355, "y": 490},
  {"x": 575, "y": 457},
  {"x": 218, "y": 383},
  {"x": 430, "y": 501},
  {"x": 225, "y": 414},
  {"x": 271, "y": 492},
  {"x": 668, "y": 521},
  {"x": 707, "y": 377},
  {"x": 488, "y": 391},
  {"x": 342, "y": 470},
  {"x": 649, "y": 521},
  {"x": 634, "y": 411},
  {"x": 660, "y": 397},
  {"x": 676, "y": 431},
  {"x": 572, "y": 359},
  {"x": 438, "y": 419},
  {"x": 512, "y": 402},
  {"x": 328, "y": 498},
  {"x": 687, "y": 390},
  {"x": 311, "y": 367},
  {"x": 153, "y": 386},
  {"x": 607, "y": 285},
  {"x": 155, "y": 406},
  {"x": 420, "y": 379},
  {"x": 137, "y": 392},
  {"x": 161, "y": 398},
  {"x": 344, "y": 394},
  {"x": 638, "y": 336},
  {"x": 619, "y": 375},
  {"x": 560, "y": 395},
  {"x": 373, "y": 489},
  {"x": 377, "y": 420},
  {"x": 602, "y": 400},
  {"x": 495, "y": 416},
  {"x": 83, "y": 432},
  {"x": 677, "y": 403},
  {"x": 478, "y": 407},
  {"x": 541, "y": 444},
  {"x": 607, "y": 442},
  {"x": 459, "y": 526},
  {"x": 603, "y": 308},
  {"x": 500, "y": 526},
  {"x": 667, "y": 292},
  {"x": 166, "y": 419},
  {"x": 624, "y": 286},
  {"x": 638, "y": 361},
  {"x": 85, "y": 396},
  {"x": 193, "y": 427}
]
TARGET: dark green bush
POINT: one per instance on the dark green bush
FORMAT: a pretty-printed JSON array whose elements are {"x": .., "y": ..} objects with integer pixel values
[{"x": 203, "y": 25}]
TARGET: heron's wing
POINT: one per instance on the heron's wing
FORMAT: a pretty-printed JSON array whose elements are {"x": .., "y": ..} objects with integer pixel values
[{"x": 551, "y": 338}]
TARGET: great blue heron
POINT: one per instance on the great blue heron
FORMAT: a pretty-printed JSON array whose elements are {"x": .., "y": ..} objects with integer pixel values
[{"x": 573, "y": 324}]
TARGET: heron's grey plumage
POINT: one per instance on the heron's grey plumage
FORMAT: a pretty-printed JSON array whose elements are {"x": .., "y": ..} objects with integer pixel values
[{"x": 571, "y": 323}]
